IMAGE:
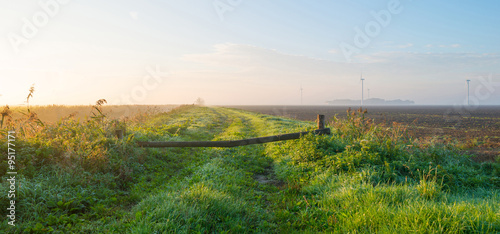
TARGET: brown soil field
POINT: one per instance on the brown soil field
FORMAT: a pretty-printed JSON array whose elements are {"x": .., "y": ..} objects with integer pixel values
[{"x": 473, "y": 129}]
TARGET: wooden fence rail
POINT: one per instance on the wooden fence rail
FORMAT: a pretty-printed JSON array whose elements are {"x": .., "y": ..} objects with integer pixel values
[{"x": 251, "y": 141}]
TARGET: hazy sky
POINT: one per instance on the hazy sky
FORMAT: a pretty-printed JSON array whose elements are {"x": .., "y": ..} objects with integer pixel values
[{"x": 248, "y": 51}]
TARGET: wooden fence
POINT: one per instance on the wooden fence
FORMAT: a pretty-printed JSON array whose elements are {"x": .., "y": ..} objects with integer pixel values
[{"x": 259, "y": 140}]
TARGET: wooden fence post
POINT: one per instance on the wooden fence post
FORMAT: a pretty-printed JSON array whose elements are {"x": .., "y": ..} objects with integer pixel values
[{"x": 321, "y": 121}]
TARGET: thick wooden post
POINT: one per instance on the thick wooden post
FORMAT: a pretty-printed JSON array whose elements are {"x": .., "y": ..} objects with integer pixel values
[{"x": 321, "y": 121}]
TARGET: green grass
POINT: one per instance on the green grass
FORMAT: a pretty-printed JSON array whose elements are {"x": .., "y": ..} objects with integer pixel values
[
  {"x": 366, "y": 178},
  {"x": 76, "y": 176}
]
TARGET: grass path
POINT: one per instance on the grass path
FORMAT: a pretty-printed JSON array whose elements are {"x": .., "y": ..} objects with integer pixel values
[{"x": 232, "y": 191}]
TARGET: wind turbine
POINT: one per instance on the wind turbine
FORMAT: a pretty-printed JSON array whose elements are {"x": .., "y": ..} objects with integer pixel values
[
  {"x": 362, "y": 88},
  {"x": 468, "y": 97},
  {"x": 301, "y": 95}
]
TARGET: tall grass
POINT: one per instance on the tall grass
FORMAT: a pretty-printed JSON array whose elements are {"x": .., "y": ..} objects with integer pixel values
[
  {"x": 74, "y": 174},
  {"x": 374, "y": 178}
]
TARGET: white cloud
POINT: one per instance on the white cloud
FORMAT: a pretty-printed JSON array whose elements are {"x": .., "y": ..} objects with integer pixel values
[
  {"x": 450, "y": 46},
  {"x": 392, "y": 44},
  {"x": 408, "y": 45},
  {"x": 333, "y": 51},
  {"x": 253, "y": 59},
  {"x": 426, "y": 65}
]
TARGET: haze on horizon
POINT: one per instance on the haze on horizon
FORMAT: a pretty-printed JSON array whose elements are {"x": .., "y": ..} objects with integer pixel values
[{"x": 241, "y": 52}]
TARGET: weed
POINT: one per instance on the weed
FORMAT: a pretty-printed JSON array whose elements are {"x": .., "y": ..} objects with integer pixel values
[{"x": 429, "y": 187}]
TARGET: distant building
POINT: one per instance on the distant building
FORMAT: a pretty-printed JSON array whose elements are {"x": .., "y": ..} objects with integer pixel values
[{"x": 370, "y": 101}]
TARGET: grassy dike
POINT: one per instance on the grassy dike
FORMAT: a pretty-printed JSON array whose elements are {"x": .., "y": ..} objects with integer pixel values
[{"x": 364, "y": 178}]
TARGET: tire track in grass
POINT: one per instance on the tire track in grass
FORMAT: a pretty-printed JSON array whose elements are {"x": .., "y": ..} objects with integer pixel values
[
  {"x": 230, "y": 191},
  {"x": 269, "y": 187},
  {"x": 169, "y": 165},
  {"x": 220, "y": 194}
]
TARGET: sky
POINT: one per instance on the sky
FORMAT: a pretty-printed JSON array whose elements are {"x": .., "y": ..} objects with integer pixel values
[{"x": 242, "y": 52}]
